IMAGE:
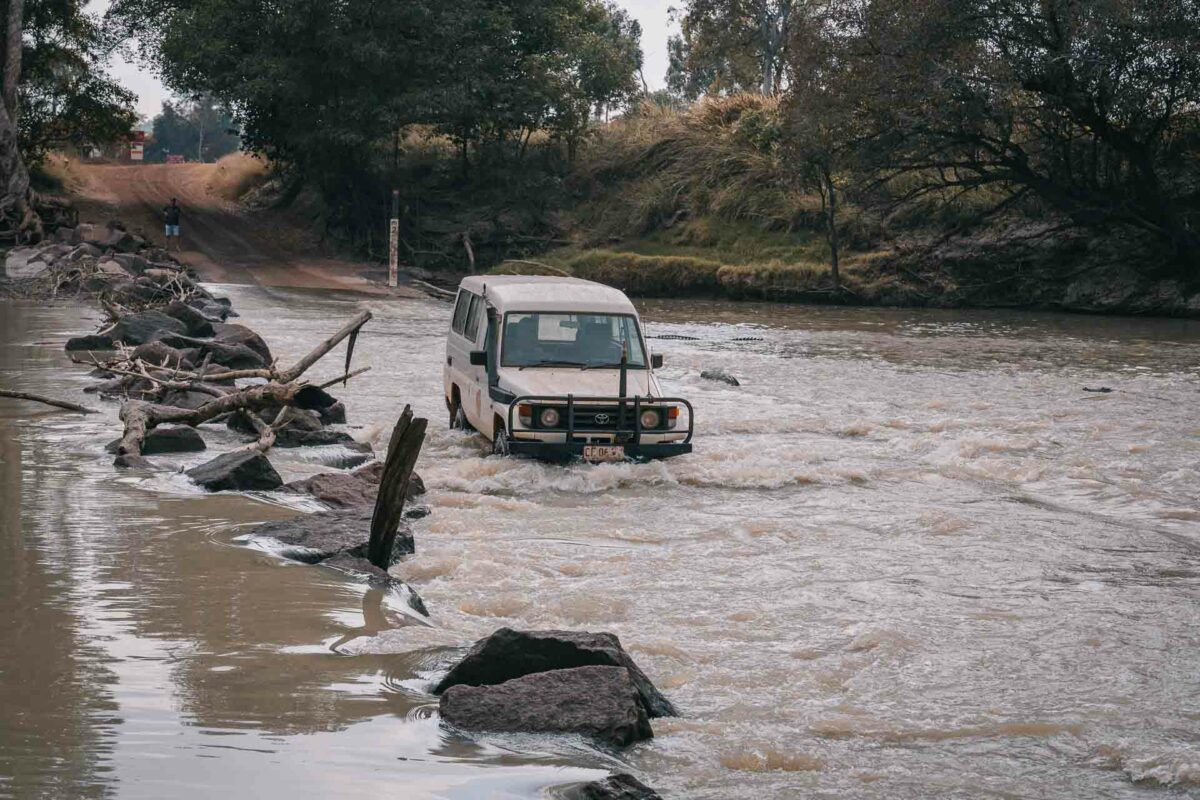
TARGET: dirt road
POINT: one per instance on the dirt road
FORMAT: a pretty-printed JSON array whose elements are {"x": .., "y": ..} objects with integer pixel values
[{"x": 223, "y": 242}]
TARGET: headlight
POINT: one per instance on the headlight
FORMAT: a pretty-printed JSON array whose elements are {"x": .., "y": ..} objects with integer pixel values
[
  {"x": 650, "y": 418},
  {"x": 549, "y": 418}
]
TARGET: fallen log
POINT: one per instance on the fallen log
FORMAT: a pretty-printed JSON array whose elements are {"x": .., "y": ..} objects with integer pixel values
[
  {"x": 403, "y": 449},
  {"x": 140, "y": 416},
  {"x": 50, "y": 401}
]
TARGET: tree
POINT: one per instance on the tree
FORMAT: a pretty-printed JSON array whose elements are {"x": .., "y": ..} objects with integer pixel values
[
  {"x": 65, "y": 98},
  {"x": 1090, "y": 108},
  {"x": 731, "y": 45},
  {"x": 196, "y": 129},
  {"x": 18, "y": 219}
]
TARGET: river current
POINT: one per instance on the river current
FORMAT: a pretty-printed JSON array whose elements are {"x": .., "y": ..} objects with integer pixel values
[{"x": 910, "y": 558}]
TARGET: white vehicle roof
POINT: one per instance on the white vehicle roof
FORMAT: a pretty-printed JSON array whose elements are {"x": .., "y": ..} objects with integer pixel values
[{"x": 548, "y": 293}]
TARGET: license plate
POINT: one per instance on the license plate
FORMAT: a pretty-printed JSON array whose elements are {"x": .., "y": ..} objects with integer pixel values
[{"x": 604, "y": 452}]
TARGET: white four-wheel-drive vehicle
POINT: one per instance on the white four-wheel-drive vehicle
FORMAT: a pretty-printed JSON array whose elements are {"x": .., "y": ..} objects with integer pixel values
[{"x": 556, "y": 368}]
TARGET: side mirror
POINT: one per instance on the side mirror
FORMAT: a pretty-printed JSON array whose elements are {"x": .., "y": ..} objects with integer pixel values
[
  {"x": 656, "y": 360},
  {"x": 479, "y": 358}
]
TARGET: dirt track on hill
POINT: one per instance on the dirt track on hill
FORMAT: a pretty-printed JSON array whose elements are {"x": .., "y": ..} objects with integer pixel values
[{"x": 223, "y": 242}]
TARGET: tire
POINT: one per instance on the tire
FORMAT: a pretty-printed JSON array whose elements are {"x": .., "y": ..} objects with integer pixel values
[
  {"x": 500, "y": 443},
  {"x": 458, "y": 418}
]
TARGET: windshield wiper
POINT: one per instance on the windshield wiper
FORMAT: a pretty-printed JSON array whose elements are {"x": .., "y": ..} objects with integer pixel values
[
  {"x": 554, "y": 364},
  {"x": 617, "y": 365}
]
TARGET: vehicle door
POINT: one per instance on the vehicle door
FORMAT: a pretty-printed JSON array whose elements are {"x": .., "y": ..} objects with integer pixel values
[
  {"x": 475, "y": 386},
  {"x": 457, "y": 348}
]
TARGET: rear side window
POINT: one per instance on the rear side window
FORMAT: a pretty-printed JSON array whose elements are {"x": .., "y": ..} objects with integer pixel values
[
  {"x": 473, "y": 317},
  {"x": 460, "y": 311}
]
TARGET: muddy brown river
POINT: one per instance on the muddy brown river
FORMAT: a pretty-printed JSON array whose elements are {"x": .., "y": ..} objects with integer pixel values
[{"x": 910, "y": 558}]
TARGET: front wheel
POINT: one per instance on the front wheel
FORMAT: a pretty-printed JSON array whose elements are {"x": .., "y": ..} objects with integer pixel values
[
  {"x": 500, "y": 443},
  {"x": 458, "y": 418}
]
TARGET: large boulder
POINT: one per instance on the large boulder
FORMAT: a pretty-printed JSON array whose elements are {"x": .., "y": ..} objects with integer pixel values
[
  {"x": 184, "y": 398},
  {"x": 144, "y": 326},
  {"x": 509, "y": 654},
  {"x": 595, "y": 701},
  {"x": 621, "y": 786},
  {"x": 120, "y": 241},
  {"x": 240, "y": 470},
  {"x": 197, "y": 324},
  {"x": 133, "y": 264},
  {"x": 231, "y": 333}
]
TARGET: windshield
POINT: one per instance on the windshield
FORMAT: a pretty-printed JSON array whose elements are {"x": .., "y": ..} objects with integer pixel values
[{"x": 570, "y": 340}]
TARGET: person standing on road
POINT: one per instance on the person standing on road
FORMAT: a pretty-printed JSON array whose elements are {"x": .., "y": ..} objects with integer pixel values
[{"x": 171, "y": 216}]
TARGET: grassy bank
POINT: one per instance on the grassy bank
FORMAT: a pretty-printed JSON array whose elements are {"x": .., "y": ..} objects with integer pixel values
[{"x": 704, "y": 201}]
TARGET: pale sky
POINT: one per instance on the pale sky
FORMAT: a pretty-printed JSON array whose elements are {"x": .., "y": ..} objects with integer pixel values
[{"x": 652, "y": 14}]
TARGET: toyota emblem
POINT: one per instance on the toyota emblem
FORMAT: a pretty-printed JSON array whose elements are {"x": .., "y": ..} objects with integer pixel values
[{"x": 602, "y": 419}]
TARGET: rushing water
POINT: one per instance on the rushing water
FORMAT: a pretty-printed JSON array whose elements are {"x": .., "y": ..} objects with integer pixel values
[{"x": 909, "y": 558}]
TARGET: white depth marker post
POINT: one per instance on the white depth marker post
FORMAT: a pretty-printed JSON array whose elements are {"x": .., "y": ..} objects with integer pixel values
[{"x": 394, "y": 239}]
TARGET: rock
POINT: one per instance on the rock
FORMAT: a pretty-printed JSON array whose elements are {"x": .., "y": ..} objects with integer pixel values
[
  {"x": 314, "y": 538},
  {"x": 89, "y": 234},
  {"x": 144, "y": 326},
  {"x": 231, "y": 356},
  {"x": 240, "y": 470},
  {"x": 84, "y": 250},
  {"x": 290, "y": 437},
  {"x": 197, "y": 324},
  {"x": 173, "y": 440},
  {"x": 719, "y": 375},
  {"x": 121, "y": 241},
  {"x": 94, "y": 341},
  {"x": 209, "y": 308},
  {"x": 133, "y": 264},
  {"x": 132, "y": 462},
  {"x": 621, "y": 786},
  {"x": 337, "y": 489},
  {"x": 68, "y": 235},
  {"x": 23, "y": 263},
  {"x": 416, "y": 512},
  {"x": 177, "y": 439},
  {"x": 241, "y": 335},
  {"x": 157, "y": 255},
  {"x": 508, "y": 654},
  {"x": 160, "y": 354},
  {"x": 334, "y": 414},
  {"x": 595, "y": 701},
  {"x": 110, "y": 267},
  {"x": 181, "y": 398}
]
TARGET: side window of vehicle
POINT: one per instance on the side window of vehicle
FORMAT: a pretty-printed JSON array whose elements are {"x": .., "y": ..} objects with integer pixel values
[
  {"x": 460, "y": 311},
  {"x": 473, "y": 316}
]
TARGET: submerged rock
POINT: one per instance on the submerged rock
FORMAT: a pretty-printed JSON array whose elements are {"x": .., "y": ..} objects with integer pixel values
[
  {"x": 337, "y": 489},
  {"x": 293, "y": 437},
  {"x": 595, "y": 701},
  {"x": 315, "y": 538},
  {"x": 241, "y": 335},
  {"x": 509, "y": 654},
  {"x": 240, "y": 470},
  {"x": 720, "y": 375},
  {"x": 621, "y": 786}
]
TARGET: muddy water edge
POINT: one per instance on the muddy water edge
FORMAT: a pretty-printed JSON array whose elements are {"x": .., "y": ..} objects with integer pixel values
[{"x": 910, "y": 558}]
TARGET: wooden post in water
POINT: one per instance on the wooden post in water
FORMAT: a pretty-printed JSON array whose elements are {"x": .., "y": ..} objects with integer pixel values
[
  {"x": 394, "y": 239},
  {"x": 403, "y": 449}
]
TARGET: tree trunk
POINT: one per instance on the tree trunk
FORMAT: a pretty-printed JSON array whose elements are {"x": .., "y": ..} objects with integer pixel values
[
  {"x": 403, "y": 449},
  {"x": 18, "y": 219},
  {"x": 831, "y": 224}
]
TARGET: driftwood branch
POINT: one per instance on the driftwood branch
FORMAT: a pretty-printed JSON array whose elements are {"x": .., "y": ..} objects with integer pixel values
[
  {"x": 50, "y": 401},
  {"x": 343, "y": 378},
  {"x": 403, "y": 449},
  {"x": 266, "y": 433}
]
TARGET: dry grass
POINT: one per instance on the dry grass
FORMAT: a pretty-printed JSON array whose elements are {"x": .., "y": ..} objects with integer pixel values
[
  {"x": 236, "y": 174},
  {"x": 720, "y": 157}
]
